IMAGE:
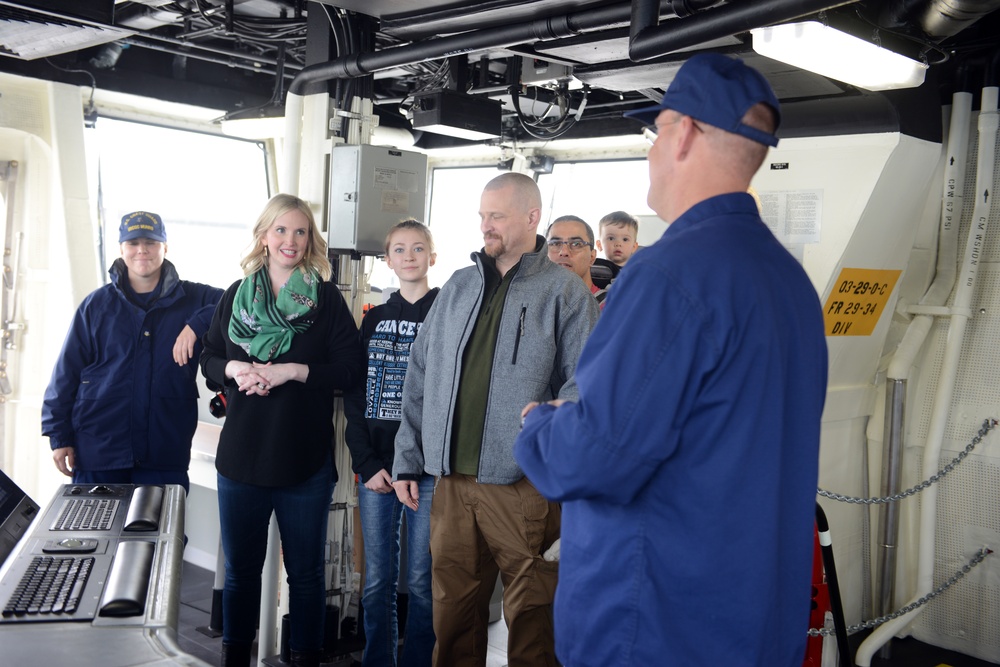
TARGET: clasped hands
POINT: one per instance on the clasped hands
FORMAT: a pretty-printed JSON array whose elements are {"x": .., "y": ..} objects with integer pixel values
[{"x": 256, "y": 378}]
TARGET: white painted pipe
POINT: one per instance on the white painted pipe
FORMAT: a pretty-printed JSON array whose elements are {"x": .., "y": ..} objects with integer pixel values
[
  {"x": 289, "y": 177},
  {"x": 988, "y": 122},
  {"x": 314, "y": 150},
  {"x": 947, "y": 254},
  {"x": 952, "y": 199},
  {"x": 396, "y": 137},
  {"x": 913, "y": 340},
  {"x": 267, "y": 637}
]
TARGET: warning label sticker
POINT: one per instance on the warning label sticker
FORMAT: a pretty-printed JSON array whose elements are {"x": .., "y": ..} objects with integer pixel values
[{"x": 858, "y": 298}]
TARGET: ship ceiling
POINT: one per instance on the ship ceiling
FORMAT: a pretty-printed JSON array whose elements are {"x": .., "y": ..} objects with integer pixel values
[{"x": 573, "y": 63}]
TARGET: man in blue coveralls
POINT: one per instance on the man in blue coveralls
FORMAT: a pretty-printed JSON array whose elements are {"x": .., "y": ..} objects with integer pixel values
[{"x": 687, "y": 469}]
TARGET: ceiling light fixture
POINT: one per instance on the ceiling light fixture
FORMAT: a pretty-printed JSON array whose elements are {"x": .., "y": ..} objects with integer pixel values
[{"x": 816, "y": 47}]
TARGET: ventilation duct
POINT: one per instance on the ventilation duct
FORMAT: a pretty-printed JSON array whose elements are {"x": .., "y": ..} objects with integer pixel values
[{"x": 50, "y": 28}]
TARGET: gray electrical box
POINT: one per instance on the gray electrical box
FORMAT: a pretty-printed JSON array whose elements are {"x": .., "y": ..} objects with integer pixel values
[{"x": 371, "y": 189}]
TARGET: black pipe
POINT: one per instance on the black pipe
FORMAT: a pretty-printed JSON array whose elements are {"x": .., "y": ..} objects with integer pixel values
[
  {"x": 230, "y": 62},
  {"x": 833, "y": 588},
  {"x": 649, "y": 39},
  {"x": 895, "y": 14},
  {"x": 185, "y": 44},
  {"x": 359, "y": 64},
  {"x": 963, "y": 79},
  {"x": 993, "y": 70},
  {"x": 643, "y": 14}
]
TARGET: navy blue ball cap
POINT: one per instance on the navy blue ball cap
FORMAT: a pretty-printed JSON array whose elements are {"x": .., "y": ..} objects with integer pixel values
[
  {"x": 717, "y": 90},
  {"x": 142, "y": 225}
]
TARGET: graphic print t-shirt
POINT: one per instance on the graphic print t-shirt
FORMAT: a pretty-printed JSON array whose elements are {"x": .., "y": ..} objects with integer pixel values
[{"x": 388, "y": 355}]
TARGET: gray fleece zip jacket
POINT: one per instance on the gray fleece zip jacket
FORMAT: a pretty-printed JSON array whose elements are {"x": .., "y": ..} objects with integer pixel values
[{"x": 547, "y": 316}]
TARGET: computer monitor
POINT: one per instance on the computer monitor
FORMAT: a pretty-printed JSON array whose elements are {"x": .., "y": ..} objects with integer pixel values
[{"x": 17, "y": 511}]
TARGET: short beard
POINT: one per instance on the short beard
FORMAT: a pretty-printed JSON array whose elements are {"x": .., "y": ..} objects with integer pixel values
[{"x": 498, "y": 250}]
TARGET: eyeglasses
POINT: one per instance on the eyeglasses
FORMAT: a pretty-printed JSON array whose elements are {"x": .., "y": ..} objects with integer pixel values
[
  {"x": 575, "y": 245},
  {"x": 651, "y": 131}
]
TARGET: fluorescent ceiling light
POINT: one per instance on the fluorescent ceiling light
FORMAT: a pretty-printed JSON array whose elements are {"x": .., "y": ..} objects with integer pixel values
[{"x": 824, "y": 50}]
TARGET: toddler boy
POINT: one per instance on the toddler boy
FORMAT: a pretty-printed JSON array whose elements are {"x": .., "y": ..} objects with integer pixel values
[{"x": 618, "y": 231}]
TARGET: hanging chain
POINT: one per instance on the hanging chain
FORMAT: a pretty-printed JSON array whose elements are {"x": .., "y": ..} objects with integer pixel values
[
  {"x": 988, "y": 425},
  {"x": 875, "y": 622}
]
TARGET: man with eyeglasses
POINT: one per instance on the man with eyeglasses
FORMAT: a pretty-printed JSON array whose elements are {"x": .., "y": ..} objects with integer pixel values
[
  {"x": 571, "y": 246},
  {"x": 687, "y": 470}
]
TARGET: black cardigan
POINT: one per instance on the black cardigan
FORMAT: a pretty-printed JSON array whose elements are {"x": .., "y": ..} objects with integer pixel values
[{"x": 282, "y": 439}]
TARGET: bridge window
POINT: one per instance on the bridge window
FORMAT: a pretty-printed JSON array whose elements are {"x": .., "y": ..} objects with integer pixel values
[{"x": 208, "y": 189}]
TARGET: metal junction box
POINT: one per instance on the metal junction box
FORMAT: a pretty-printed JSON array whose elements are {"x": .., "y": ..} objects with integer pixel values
[{"x": 371, "y": 189}]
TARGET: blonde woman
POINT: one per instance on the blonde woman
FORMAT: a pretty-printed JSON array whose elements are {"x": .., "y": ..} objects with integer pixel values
[{"x": 281, "y": 341}]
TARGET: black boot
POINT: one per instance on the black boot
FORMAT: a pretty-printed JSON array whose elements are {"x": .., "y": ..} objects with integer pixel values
[
  {"x": 236, "y": 654},
  {"x": 305, "y": 658}
]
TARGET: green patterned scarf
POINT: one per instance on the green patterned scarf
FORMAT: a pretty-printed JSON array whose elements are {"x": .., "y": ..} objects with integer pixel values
[{"x": 264, "y": 325}]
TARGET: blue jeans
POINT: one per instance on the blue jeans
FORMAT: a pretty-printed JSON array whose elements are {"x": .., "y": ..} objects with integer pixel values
[
  {"x": 302, "y": 511},
  {"x": 381, "y": 516}
]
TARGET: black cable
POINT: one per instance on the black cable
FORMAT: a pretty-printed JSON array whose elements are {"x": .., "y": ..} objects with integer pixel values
[
  {"x": 349, "y": 91},
  {"x": 277, "y": 93},
  {"x": 263, "y": 30},
  {"x": 333, "y": 32},
  {"x": 514, "y": 67},
  {"x": 279, "y": 77},
  {"x": 927, "y": 46},
  {"x": 93, "y": 82},
  {"x": 555, "y": 134},
  {"x": 539, "y": 129}
]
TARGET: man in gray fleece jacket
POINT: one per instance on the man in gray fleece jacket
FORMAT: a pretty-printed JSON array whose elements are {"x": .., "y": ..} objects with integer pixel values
[{"x": 501, "y": 334}]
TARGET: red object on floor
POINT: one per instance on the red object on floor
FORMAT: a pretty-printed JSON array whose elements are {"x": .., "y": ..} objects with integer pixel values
[{"x": 820, "y": 605}]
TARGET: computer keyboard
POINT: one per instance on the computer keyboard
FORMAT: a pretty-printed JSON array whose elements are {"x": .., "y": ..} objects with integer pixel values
[
  {"x": 86, "y": 514},
  {"x": 50, "y": 585}
]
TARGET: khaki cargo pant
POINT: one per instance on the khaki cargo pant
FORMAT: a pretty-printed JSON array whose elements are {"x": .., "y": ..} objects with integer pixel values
[{"x": 476, "y": 530}]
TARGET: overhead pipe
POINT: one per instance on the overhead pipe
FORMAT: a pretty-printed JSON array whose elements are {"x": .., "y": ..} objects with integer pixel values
[
  {"x": 705, "y": 26},
  {"x": 944, "y": 18},
  {"x": 897, "y": 377},
  {"x": 361, "y": 64},
  {"x": 939, "y": 19},
  {"x": 364, "y": 63},
  {"x": 961, "y": 312},
  {"x": 183, "y": 51},
  {"x": 650, "y": 39},
  {"x": 568, "y": 25},
  {"x": 188, "y": 47}
]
